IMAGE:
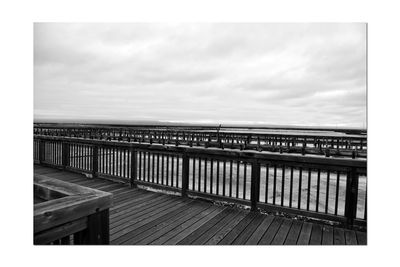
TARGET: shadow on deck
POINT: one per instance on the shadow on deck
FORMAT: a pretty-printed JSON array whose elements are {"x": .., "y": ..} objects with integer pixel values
[{"x": 142, "y": 217}]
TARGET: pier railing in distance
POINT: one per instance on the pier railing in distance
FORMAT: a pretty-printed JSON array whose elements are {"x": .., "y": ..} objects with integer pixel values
[
  {"x": 70, "y": 214},
  {"x": 342, "y": 145},
  {"x": 332, "y": 189}
]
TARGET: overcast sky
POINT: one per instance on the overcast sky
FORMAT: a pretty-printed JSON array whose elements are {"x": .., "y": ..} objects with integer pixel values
[{"x": 292, "y": 74}]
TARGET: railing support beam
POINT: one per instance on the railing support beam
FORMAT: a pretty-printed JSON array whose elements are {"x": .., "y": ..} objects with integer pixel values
[
  {"x": 350, "y": 211},
  {"x": 95, "y": 161},
  {"x": 255, "y": 184},
  {"x": 185, "y": 174},
  {"x": 133, "y": 178}
]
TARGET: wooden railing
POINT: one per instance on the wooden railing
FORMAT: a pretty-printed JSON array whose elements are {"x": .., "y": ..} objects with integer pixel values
[
  {"x": 331, "y": 189},
  {"x": 66, "y": 213},
  {"x": 320, "y": 144}
]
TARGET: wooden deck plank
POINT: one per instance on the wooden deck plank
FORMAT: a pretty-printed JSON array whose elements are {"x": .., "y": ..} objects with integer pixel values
[
  {"x": 232, "y": 235},
  {"x": 129, "y": 206},
  {"x": 261, "y": 229},
  {"x": 248, "y": 231},
  {"x": 222, "y": 232},
  {"x": 327, "y": 235},
  {"x": 350, "y": 237},
  {"x": 184, "y": 226},
  {"x": 146, "y": 210},
  {"x": 361, "y": 238},
  {"x": 294, "y": 233},
  {"x": 152, "y": 222},
  {"x": 213, "y": 230},
  {"x": 187, "y": 231},
  {"x": 282, "y": 233},
  {"x": 164, "y": 225},
  {"x": 130, "y": 203},
  {"x": 316, "y": 235},
  {"x": 269, "y": 235},
  {"x": 201, "y": 230},
  {"x": 127, "y": 232},
  {"x": 305, "y": 234},
  {"x": 338, "y": 235},
  {"x": 121, "y": 196}
]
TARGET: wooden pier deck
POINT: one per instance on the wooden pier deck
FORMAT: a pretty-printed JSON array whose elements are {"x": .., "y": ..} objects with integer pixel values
[{"x": 141, "y": 217}]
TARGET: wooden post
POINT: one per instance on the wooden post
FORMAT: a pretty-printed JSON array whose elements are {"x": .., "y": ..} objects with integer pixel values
[
  {"x": 97, "y": 231},
  {"x": 185, "y": 174},
  {"x": 41, "y": 151},
  {"x": 350, "y": 209},
  {"x": 255, "y": 184},
  {"x": 95, "y": 161},
  {"x": 133, "y": 168},
  {"x": 65, "y": 155}
]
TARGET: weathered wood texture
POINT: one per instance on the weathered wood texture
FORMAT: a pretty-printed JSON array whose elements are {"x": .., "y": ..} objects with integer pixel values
[
  {"x": 143, "y": 217},
  {"x": 69, "y": 209}
]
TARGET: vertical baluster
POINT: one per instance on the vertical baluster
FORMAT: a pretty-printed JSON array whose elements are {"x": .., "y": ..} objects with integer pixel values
[
  {"x": 300, "y": 182},
  {"x": 144, "y": 165},
  {"x": 230, "y": 177},
  {"x": 113, "y": 158},
  {"x": 224, "y": 179},
  {"x": 327, "y": 191},
  {"x": 266, "y": 182},
  {"x": 158, "y": 168},
  {"x": 217, "y": 177},
  {"x": 120, "y": 160},
  {"x": 80, "y": 156},
  {"x": 86, "y": 157},
  {"x": 162, "y": 168},
  {"x": 148, "y": 167},
  {"x": 283, "y": 185},
  {"x": 337, "y": 192},
  {"x": 193, "y": 173},
  {"x": 125, "y": 165},
  {"x": 101, "y": 155},
  {"x": 274, "y": 188},
  {"x": 211, "y": 175},
  {"x": 172, "y": 169},
  {"x": 308, "y": 189},
  {"x": 53, "y": 153},
  {"x": 205, "y": 175},
  {"x": 167, "y": 172},
  {"x": 140, "y": 165},
  {"x": 152, "y": 167},
  {"x": 318, "y": 182},
  {"x": 237, "y": 178},
  {"x": 177, "y": 171},
  {"x": 199, "y": 181},
  {"x": 291, "y": 187},
  {"x": 244, "y": 179}
]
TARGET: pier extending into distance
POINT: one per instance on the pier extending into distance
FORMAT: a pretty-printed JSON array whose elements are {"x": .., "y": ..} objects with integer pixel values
[
  {"x": 336, "y": 142},
  {"x": 291, "y": 198}
]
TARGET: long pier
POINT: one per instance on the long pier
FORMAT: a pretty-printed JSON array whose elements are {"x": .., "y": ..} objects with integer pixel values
[{"x": 314, "y": 143}]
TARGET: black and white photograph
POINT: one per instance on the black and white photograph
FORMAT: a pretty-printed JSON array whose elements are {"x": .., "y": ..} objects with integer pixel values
[{"x": 200, "y": 133}]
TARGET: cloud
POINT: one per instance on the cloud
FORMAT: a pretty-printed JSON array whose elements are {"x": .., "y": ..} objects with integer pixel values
[{"x": 312, "y": 74}]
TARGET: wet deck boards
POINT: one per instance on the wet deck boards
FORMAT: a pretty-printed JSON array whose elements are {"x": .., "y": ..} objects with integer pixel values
[{"x": 142, "y": 217}]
